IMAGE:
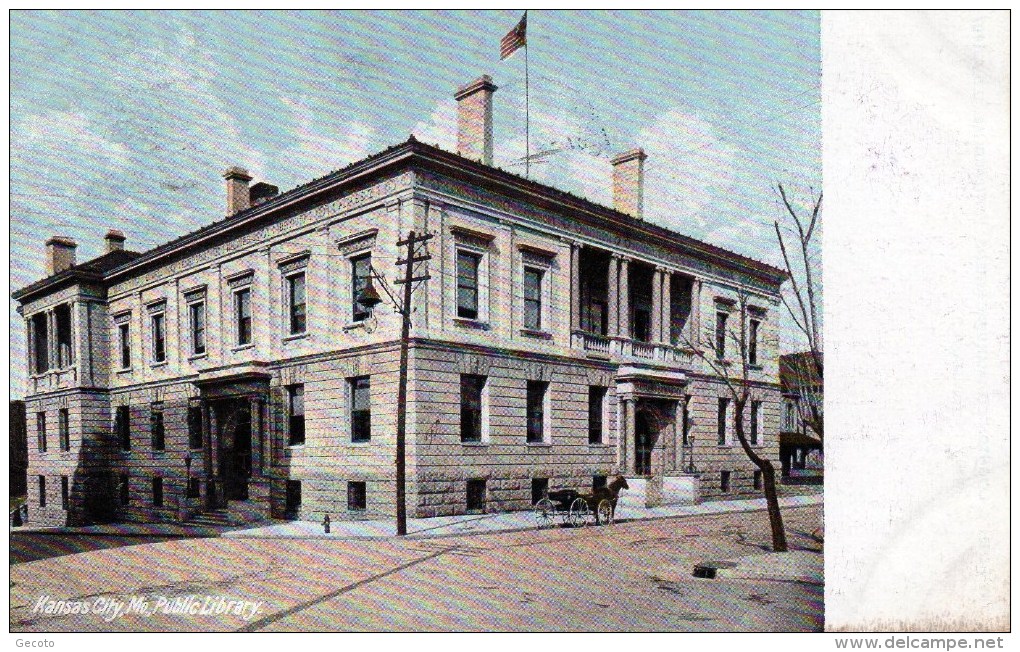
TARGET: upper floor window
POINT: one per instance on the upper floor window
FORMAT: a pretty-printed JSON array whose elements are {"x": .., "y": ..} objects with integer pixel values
[
  {"x": 124, "y": 333},
  {"x": 62, "y": 315},
  {"x": 537, "y": 392},
  {"x": 596, "y": 410},
  {"x": 64, "y": 428},
  {"x": 752, "y": 342},
  {"x": 361, "y": 271},
  {"x": 158, "y": 320},
  {"x": 472, "y": 389},
  {"x": 533, "y": 278},
  {"x": 296, "y": 414},
  {"x": 122, "y": 426},
  {"x": 242, "y": 316},
  {"x": 196, "y": 317},
  {"x": 40, "y": 430},
  {"x": 296, "y": 303},
  {"x": 720, "y": 334},
  {"x": 156, "y": 427},
  {"x": 40, "y": 342},
  {"x": 468, "y": 264},
  {"x": 361, "y": 409}
]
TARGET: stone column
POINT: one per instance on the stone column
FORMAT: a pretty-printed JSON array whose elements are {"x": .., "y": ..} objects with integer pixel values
[
  {"x": 613, "y": 298},
  {"x": 694, "y": 320},
  {"x": 667, "y": 307},
  {"x": 656, "y": 320},
  {"x": 257, "y": 449},
  {"x": 51, "y": 338},
  {"x": 575, "y": 286},
  {"x": 624, "y": 312},
  {"x": 627, "y": 436}
]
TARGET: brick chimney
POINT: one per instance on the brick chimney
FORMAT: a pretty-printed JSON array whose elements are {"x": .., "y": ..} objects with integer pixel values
[
  {"x": 59, "y": 254},
  {"x": 629, "y": 182},
  {"x": 115, "y": 240},
  {"x": 474, "y": 119},
  {"x": 238, "y": 195}
]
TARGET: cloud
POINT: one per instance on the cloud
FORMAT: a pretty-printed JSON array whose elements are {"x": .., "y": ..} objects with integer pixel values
[
  {"x": 321, "y": 145},
  {"x": 440, "y": 128}
]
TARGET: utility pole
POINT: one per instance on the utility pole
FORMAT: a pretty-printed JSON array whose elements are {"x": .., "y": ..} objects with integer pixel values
[{"x": 409, "y": 279}]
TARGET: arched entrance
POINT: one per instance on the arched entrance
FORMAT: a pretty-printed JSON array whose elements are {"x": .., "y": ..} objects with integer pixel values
[
  {"x": 645, "y": 438},
  {"x": 233, "y": 419}
]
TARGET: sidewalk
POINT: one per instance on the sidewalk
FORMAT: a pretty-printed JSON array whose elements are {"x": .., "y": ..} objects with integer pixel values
[{"x": 416, "y": 527}]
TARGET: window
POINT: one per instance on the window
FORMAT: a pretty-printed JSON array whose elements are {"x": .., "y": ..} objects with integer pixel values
[
  {"x": 720, "y": 334},
  {"x": 296, "y": 303},
  {"x": 293, "y": 495},
  {"x": 41, "y": 343},
  {"x": 724, "y": 481},
  {"x": 685, "y": 423},
  {"x": 158, "y": 337},
  {"x": 122, "y": 426},
  {"x": 755, "y": 418},
  {"x": 537, "y": 391},
  {"x": 471, "y": 390},
  {"x": 62, "y": 315},
  {"x": 157, "y": 491},
  {"x": 533, "y": 298},
  {"x": 194, "y": 488},
  {"x": 156, "y": 427},
  {"x": 361, "y": 410},
  {"x": 596, "y": 408},
  {"x": 597, "y": 316},
  {"x": 64, "y": 492},
  {"x": 64, "y": 428},
  {"x": 724, "y": 404},
  {"x": 757, "y": 479},
  {"x": 790, "y": 424},
  {"x": 467, "y": 284},
  {"x": 357, "y": 496},
  {"x": 476, "y": 496},
  {"x": 642, "y": 325},
  {"x": 196, "y": 316},
  {"x": 599, "y": 482},
  {"x": 752, "y": 342},
  {"x": 125, "y": 489},
  {"x": 296, "y": 414},
  {"x": 124, "y": 331},
  {"x": 42, "y": 491},
  {"x": 194, "y": 427},
  {"x": 242, "y": 316},
  {"x": 361, "y": 271},
  {"x": 40, "y": 430},
  {"x": 539, "y": 489}
]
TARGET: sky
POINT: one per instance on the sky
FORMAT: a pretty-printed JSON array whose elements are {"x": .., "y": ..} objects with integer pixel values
[{"x": 126, "y": 120}]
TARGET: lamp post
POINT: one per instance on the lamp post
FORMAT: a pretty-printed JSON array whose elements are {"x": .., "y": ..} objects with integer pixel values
[{"x": 369, "y": 297}]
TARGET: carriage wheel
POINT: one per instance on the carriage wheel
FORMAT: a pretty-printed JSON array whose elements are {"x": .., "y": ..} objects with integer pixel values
[
  {"x": 544, "y": 512},
  {"x": 579, "y": 513},
  {"x": 604, "y": 512}
]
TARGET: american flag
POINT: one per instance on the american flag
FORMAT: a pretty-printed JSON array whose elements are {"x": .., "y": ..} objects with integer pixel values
[{"x": 515, "y": 39}]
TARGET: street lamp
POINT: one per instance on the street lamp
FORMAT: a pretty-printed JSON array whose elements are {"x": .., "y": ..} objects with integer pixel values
[{"x": 369, "y": 298}]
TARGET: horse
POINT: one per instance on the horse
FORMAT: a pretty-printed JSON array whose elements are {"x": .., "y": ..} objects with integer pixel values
[{"x": 610, "y": 492}]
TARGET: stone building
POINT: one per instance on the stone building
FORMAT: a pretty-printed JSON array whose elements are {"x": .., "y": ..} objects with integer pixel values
[{"x": 231, "y": 373}]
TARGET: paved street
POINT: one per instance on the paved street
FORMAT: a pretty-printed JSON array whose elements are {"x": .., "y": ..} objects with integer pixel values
[{"x": 631, "y": 577}]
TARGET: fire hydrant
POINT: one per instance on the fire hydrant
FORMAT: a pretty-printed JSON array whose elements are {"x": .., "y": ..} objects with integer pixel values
[{"x": 325, "y": 523}]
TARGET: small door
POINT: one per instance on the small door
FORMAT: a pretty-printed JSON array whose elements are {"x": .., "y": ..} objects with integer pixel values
[{"x": 643, "y": 443}]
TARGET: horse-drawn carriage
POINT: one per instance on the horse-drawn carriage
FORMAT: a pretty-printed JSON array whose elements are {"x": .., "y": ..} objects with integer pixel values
[{"x": 576, "y": 509}]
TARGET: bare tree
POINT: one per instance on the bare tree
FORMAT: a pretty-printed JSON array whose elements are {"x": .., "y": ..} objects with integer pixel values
[
  {"x": 802, "y": 302},
  {"x": 736, "y": 375}
]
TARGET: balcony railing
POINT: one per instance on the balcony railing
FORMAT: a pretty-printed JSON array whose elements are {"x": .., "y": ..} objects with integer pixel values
[{"x": 603, "y": 346}]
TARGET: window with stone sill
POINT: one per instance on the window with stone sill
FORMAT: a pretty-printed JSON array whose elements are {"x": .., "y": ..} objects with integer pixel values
[
  {"x": 468, "y": 264},
  {"x": 537, "y": 411},
  {"x": 472, "y": 403},
  {"x": 64, "y": 428}
]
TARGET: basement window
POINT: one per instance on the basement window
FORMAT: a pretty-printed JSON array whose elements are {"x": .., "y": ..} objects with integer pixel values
[
  {"x": 476, "y": 496},
  {"x": 357, "y": 496}
]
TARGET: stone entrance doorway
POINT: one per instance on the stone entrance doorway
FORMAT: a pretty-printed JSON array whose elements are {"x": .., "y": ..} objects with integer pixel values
[
  {"x": 234, "y": 437},
  {"x": 645, "y": 438}
]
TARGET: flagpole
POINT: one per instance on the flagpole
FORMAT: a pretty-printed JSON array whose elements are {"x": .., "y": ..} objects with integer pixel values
[{"x": 527, "y": 111}]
